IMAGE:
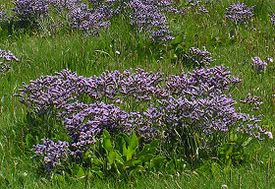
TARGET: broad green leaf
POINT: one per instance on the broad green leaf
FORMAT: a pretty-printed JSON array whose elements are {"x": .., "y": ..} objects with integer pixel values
[
  {"x": 107, "y": 143},
  {"x": 80, "y": 173}
]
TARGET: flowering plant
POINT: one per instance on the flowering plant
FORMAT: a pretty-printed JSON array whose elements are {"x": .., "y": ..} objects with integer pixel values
[
  {"x": 239, "y": 13},
  {"x": 193, "y": 102},
  {"x": 148, "y": 16}
]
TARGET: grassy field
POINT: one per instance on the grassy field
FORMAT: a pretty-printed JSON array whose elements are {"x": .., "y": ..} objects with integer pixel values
[{"x": 44, "y": 53}]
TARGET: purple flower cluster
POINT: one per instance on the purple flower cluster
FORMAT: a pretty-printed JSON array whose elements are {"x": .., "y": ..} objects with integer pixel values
[
  {"x": 90, "y": 19},
  {"x": 54, "y": 153},
  {"x": 258, "y": 64},
  {"x": 272, "y": 19},
  {"x": 239, "y": 13},
  {"x": 147, "y": 15},
  {"x": 252, "y": 101},
  {"x": 29, "y": 10},
  {"x": 201, "y": 57},
  {"x": 195, "y": 100},
  {"x": 6, "y": 56}
]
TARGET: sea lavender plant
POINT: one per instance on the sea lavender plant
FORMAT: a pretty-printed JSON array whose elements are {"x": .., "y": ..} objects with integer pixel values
[
  {"x": 196, "y": 89},
  {"x": 258, "y": 64},
  {"x": 239, "y": 13},
  {"x": 30, "y": 10},
  {"x": 147, "y": 15},
  {"x": 84, "y": 18},
  {"x": 196, "y": 101},
  {"x": 200, "y": 57}
]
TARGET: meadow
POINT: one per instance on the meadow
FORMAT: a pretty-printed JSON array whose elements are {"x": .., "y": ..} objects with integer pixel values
[{"x": 216, "y": 133}]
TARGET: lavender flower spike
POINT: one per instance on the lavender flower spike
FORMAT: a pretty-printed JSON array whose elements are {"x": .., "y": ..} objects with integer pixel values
[{"x": 258, "y": 64}]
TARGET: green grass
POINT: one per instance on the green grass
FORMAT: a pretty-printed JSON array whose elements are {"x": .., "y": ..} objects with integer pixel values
[{"x": 42, "y": 54}]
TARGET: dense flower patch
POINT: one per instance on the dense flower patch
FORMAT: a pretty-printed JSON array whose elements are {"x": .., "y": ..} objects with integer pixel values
[
  {"x": 196, "y": 101},
  {"x": 239, "y": 13},
  {"x": 146, "y": 15}
]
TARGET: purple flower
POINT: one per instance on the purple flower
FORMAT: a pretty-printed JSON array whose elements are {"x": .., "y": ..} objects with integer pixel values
[
  {"x": 7, "y": 55},
  {"x": 252, "y": 101},
  {"x": 53, "y": 153},
  {"x": 196, "y": 100},
  {"x": 201, "y": 57},
  {"x": 29, "y": 10},
  {"x": 239, "y": 13},
  {"x": 272, "y": 19},
  {"x": 258, "y": 64},
  {"x": 148, "y": 16}
]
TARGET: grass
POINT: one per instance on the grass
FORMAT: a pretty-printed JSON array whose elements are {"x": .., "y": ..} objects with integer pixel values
[{"x": 42, "y": 54}]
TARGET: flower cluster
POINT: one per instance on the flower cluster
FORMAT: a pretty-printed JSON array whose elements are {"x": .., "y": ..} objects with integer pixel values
[
  {"x": 239, "y": 13},
  {"x": 252, "y": 101},
  {"x": 29, "y": 10},
  {"x": 147, "y": 15},
  {"x": 201, "y": 57},
  {"x": 195, "y": 100},
  {"x": 54, "y": 153},
  {"x": 6, "y": 56},
  {"x": 272, "y": 19},
  {"x": 258, "y": 64}
]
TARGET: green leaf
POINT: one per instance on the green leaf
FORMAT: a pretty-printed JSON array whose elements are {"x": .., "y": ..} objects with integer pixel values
[
  {"x": 128, "y": 153},
  {"x": 29, "y": 140},
  {"x": 107, "y": 144},
  {"x": 157, "y": 163},
  {"x": 111, "y": 156},
  {"x": 136, "y": 171},
  {"x": 80, "y": 173},
  {"x": 133, "y": 142},
  {"x": 98, "y": 172},
  {"x": 149, "y": 149}
]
